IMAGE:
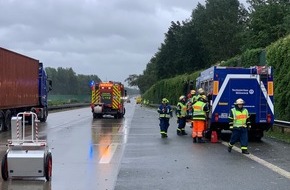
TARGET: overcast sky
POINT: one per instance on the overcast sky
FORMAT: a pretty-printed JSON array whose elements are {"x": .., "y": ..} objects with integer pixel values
[{"x": 108, "y": 38}]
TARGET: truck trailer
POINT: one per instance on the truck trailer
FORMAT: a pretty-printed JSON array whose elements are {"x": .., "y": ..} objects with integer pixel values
[
  {"x": 108, "y": 99},
  {"x": 23, "y": 87},
  {"x": 224, "y": 85}
]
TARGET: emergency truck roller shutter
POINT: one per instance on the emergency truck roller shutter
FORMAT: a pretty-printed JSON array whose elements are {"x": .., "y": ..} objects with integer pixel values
[
  {"x": 224, "y": 85},
  {"x": 108, "y": 99}
]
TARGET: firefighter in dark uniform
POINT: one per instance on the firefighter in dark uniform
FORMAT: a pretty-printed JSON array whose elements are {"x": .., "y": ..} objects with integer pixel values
[
  {"x": 181, "y": 112},
  {"x": 165, "y": 113},
  {"x": 239, "y": 123}
]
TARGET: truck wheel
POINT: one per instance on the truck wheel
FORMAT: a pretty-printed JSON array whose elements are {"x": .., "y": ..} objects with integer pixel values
[
  {"x": 256, "y": 136},
  {"x": 8, "y": 116},
  {"x": 48, "y": 166},
  {"x": 2, "y": 121},
  {"x": 4, "y": 168}
]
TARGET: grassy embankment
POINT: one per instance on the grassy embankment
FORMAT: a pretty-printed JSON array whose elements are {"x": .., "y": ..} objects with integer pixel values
[{"x": 276, "y": 133}]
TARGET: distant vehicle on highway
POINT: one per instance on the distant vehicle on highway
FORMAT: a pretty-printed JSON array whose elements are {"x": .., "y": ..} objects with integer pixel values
[
  {"x": 138, "y": 100},
  {"x": 108, "y": 99}
]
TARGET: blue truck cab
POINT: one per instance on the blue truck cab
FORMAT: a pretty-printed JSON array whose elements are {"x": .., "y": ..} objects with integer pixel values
[{"x": 44, "y": 86}]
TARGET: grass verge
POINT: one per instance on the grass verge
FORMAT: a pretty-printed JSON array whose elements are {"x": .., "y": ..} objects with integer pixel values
[{"x": 277, "y": 134}]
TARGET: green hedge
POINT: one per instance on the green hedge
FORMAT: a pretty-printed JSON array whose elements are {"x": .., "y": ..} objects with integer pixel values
[
  {"x": 171, "y": 88},
  {"x": 278, "y": 56}
]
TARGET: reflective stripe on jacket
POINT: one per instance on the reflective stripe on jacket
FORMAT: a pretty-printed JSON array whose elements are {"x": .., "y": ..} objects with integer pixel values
[
  {"x": 194, "y": 98},
  {"x": 181, "y": 110},
  {"x": 239, "y": 117},
  {"x": 164, "y": 111},
  {"x": 198, "y": 111}
]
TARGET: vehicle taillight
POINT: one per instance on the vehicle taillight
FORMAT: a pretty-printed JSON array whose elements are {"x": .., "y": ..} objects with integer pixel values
[
  {"x": 216, "y": 117},
  {"x": 215, "y": 88},
  {"x": 269, "y": 118}
]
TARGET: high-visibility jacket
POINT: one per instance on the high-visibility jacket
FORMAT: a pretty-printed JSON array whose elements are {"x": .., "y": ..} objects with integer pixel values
[
  {"x": 194, "y": 98},
  {"x": 199, "y": 110},
  {"x": 164, "y": 111},
  {"x": 181, "y": 110},
  {"x": 239, "y": 118}
]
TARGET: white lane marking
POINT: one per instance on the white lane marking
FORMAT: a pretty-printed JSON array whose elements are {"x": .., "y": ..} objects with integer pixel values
[
  {"x": 108, "y": 153},
  {"x": 272, "y": 167}
]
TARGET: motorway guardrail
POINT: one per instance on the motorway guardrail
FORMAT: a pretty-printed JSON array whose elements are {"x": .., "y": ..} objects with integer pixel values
[
  {"x": 67, "y": 106},
  {"x": 282, "y": 124}
]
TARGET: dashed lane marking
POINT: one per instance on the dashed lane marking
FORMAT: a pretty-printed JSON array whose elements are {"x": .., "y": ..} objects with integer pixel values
[{"x": 272, "y": 167}]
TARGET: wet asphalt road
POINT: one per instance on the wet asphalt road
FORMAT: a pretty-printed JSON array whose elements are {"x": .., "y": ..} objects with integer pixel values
[
  {"x": 129, "y": 154},
  {"x": 86, "y": 152}
]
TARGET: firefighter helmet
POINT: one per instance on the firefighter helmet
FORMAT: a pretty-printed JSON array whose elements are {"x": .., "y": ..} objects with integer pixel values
[
  {"x": 181, "y": 97},
  {"x": 192, "y": 92},
  {"x": 200, "y": 91},
  {"x": 204, "y": 97},
  {"x": 239, "y": 101},
  {"x": 164, "y": 100}
]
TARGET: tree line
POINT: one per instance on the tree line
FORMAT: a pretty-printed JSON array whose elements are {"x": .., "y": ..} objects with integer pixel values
[
  {"x": 216, "y": 31},
  {"x": 66, "y": 82}
]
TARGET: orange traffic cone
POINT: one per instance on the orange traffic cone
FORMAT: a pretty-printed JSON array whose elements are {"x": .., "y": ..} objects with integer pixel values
[{"x": 214, "y": 137}]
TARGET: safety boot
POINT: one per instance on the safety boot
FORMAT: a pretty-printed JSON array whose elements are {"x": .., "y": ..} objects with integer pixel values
[
  {"x": 183, "y": 132},
  {"x": 230, "y": 147},
  {"x": 200, "y": 140},
  {"x": 245, "y": 152},
  {"x": 194, "y": 140},
  {"x": 164, "y": 135},
  {"x": 178, "y": 132}
]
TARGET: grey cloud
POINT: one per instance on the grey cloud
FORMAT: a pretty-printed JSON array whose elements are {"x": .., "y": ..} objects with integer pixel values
[{"x": 109, "y": 38}]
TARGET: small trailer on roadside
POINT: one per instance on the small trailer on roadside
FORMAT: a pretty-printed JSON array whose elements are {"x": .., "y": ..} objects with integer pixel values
[{"x": 26, "y": 157}]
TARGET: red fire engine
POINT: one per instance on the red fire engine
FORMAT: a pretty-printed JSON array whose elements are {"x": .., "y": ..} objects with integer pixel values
[{"x": 108, "y": 99}]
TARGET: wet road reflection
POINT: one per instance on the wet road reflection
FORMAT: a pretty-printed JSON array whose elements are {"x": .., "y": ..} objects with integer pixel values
[
  {"x": 106, "y": 137},
  {"x": 86, "y": 152}
]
